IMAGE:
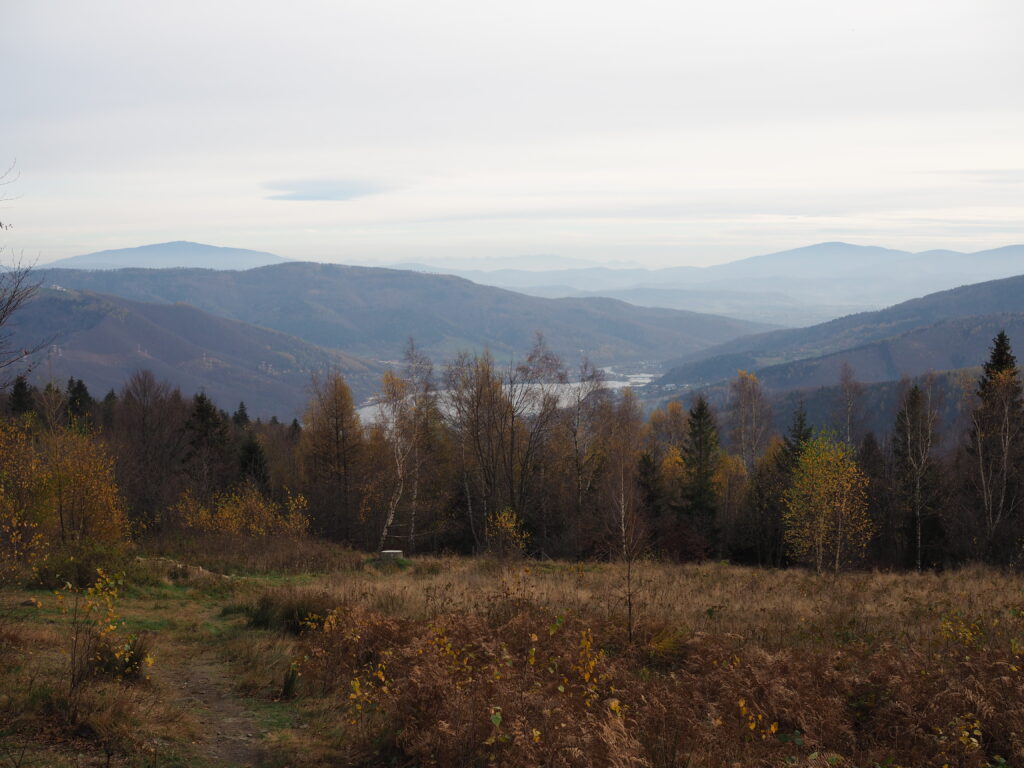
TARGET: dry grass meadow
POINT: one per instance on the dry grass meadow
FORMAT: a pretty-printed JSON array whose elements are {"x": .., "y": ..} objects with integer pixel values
[{"x": 311, "y": 656}]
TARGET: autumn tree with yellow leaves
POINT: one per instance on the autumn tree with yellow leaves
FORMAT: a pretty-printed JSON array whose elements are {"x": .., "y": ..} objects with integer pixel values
[
  {"x": 826, "y": 517},
  {"x": 56, "y": 489},
  {"x": 22, "y": 513},
  {"x": 83, "y": 500}
]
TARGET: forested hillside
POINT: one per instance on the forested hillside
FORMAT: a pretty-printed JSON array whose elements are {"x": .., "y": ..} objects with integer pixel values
[
  {"x": 105, "y": 339},
  {"x": 969, "y": 313},
  {"x": 372, "y": 312}
]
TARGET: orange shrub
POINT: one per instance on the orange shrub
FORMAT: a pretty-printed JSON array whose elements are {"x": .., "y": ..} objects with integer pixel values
[{"x": 245, "y": 511}]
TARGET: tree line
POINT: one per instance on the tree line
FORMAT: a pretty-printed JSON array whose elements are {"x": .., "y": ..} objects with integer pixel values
[{"x": 478, "y": 456}]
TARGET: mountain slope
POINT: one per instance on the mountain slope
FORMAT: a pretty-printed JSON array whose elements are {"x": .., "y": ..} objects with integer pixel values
[
  {"x": 846, "y": 333},
  {"x": 765, "y": 307},
  {"x": 104, "y": 339},
  {"x": 181, "y": 254},
  {"x": 372, "y": 312},
  {"x": 945, "y": 346}
]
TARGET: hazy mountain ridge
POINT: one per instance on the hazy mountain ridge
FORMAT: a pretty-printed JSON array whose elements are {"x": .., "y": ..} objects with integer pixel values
[
  {"x": 177, "y": 254},
  {"x": 103, "y": 339},
  {"x": 821, "y": 281},
  {"x": 949, "y": 329},
  {"x": 768, "y": 307},
  {"x": 372, "y": 311}
]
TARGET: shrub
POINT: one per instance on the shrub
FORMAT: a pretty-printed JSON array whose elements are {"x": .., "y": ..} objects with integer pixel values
[
  {"x": 246, "y": 511},
  {"x": 125, "y": 658},
  {"x": 78, "y": 564},
  {"x": 291, "y": 611},
  {"x": 506, "y": 537}
]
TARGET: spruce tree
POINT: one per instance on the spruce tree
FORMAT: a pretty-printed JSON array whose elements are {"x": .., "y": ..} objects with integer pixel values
[
  {"x": 652, "y": 496},
  {"x": 700, "y": 460},
  {"x": 800, "y": 431},
  {"x": 995, "y": 450},
  {"x": 764, "y": 505},
  {"x": 207, "y": 439},
  {"x": 888, "y": 546},
  {"x": 21, "y": 400},
  {"x": 80, "y": 402},
  {"x": 769, "y": 479},
  {"x": 241, "y": 416},
  {"x": 253, "y": 463},
  {"x": 1001, "y": 360}
]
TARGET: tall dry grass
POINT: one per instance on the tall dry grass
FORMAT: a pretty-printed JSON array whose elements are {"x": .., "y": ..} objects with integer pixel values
[{"x": 455, "y": 662}]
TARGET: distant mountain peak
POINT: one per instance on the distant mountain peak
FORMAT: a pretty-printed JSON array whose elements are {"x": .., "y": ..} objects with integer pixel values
[{"x": 170, "y": 255}]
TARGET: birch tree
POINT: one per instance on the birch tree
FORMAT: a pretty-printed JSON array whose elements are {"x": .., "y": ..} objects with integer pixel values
[
  {"x": 826, "y": 517},
  {"x": 914, "y": 439}
]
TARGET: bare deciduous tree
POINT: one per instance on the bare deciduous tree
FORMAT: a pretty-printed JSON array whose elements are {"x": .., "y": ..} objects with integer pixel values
[
  {"x": 751, "y": 418},
  {"x": 17, "y": 286},
  {"x": 914, "y": 441},
  {"x": 627, "y": 533},
  {"x": 848, "y": 404}
]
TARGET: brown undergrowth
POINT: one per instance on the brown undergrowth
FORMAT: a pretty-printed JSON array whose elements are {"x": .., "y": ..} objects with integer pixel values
[
  {"x": 461, "y": 662},
  {"x": 480, "y": 664}
]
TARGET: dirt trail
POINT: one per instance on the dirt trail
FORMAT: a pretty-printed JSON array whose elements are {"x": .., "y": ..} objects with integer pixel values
[{"x": 229, "y": 733}]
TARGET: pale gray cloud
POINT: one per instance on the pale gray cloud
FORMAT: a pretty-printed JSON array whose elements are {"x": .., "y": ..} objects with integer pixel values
[
  {"x": 656, "y": 131},
  {"x": 993, "y": 175},
  {"x": 322, "y": 189}
]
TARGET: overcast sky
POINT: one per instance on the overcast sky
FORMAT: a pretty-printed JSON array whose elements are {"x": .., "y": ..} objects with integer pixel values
[{"x": 376, "y": 131}]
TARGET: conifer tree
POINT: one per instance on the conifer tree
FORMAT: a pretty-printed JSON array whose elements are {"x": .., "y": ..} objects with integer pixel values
[
  {"x": 330, "y": 448},
  {"x": 652, "y": 495},
  {"x": 764, "y": 505},
  {"x": 995, "y": 452},
  {"x": 769, "y": 480},
  {"x": 701, "y": 455},
  {"x": 240, "y": 417},
  {"x": 21, "y": 400},
  {"x": 253, "y": 463},
  {"x": 890, "y": 544},
  {"x": 800, "y": 431},
  {"x": 1001, "y": 360},
  {"x": 207, "y": 439},
  {"x": 79, "y": 400}
]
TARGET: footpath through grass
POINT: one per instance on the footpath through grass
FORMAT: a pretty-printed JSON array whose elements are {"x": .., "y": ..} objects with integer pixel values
[
  {"x": 190, "y": 708},
  {"x": 459, "y": 662}
]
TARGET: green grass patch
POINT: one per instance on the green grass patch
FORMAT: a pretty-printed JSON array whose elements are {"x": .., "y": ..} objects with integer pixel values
[
  {"x": 383, "y": 565},
  {"x": 146, "y": 624},
  {"x": 273, "y": 715}
]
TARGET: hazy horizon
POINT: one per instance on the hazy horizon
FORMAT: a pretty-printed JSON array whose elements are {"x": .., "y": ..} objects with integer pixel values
[
  {"x": 522, "y": 262},
  {"x": 395, "y": 132}
]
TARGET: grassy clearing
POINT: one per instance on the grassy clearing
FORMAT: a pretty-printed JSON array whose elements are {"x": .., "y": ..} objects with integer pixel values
[
  {"x": 468, "y": 663},
  {"x": 453, "y": 662}
]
